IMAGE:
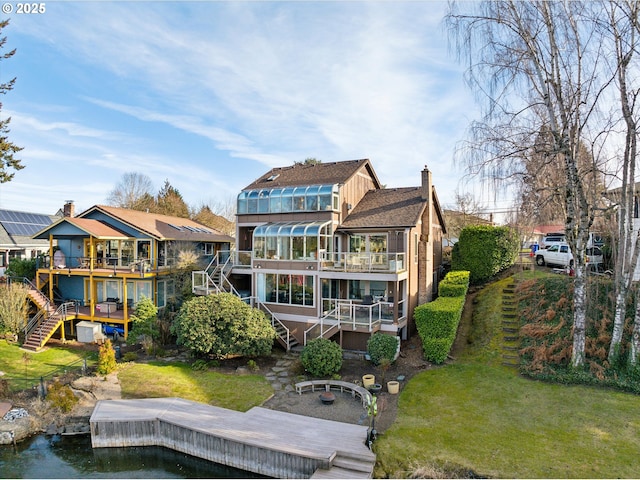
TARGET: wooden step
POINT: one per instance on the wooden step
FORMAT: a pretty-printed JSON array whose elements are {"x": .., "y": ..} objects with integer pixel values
[{"x": 356, "y": 464}]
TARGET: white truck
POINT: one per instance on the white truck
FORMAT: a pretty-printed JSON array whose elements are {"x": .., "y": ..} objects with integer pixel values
[{"x": 560, "y": 255}]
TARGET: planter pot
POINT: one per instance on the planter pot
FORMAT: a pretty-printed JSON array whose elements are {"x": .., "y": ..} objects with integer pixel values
[
  {"x": 393, "y": 387},
  {"x": 368, "y": 380},
  {"x": 375, "y": 389}
]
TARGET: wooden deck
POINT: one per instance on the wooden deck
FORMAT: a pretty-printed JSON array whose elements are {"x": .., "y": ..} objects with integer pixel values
[{"x": 268, "y": 442}]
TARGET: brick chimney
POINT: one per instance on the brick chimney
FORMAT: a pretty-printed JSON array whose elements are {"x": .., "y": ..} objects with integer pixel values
[
  {"x": 69, "y": 208},
  {"x": 427, "y": 185}
]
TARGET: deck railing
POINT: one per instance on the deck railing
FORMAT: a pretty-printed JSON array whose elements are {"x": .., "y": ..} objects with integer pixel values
[{"x": 363, "y": 262}]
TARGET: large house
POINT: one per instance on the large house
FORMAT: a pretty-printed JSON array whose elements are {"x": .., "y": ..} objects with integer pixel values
[
  {"x": 16, "y": 235},
  {"x": 104, "y": 260},
  {"x": 327, "y": 251}
]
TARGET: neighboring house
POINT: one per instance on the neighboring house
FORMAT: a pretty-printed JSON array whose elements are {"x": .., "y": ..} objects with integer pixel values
[
  {"x": 326, "y": 251},
  {"x": 16, "y": 235},
  {"x": 106, "y": 260}
]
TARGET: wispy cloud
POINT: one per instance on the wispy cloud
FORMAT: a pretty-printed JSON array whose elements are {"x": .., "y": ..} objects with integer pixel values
[{"x": 264, "y": 83}]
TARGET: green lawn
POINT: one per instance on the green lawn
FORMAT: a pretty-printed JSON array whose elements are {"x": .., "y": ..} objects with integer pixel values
[
  {"x": 475, "y": 415},
  {"x": 23, "y": 369},
  {"x": 237, "y": 392}
]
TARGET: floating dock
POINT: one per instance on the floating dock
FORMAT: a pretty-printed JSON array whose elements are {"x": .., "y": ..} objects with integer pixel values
[{"x": 268, "y": 442}]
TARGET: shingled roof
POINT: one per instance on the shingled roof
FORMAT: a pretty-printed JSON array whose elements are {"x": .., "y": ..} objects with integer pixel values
[
  {"x": 164, "y": 227},
  {"x": 312, "y": 174},
  {"x": 387, "y": 208}
]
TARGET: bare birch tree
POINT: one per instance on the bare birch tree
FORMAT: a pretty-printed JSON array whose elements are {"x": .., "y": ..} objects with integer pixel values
[{"x": 536, "y": 65}]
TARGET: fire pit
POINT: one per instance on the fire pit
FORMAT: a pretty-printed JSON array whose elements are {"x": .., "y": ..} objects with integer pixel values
[{"x": 327, "y": 398}]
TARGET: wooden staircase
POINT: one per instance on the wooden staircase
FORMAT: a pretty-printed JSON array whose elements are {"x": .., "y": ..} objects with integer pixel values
[{"x": 43, "y": 325}]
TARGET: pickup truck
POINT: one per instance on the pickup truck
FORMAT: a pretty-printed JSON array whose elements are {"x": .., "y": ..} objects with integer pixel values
[{"x": 560, "y": 255}]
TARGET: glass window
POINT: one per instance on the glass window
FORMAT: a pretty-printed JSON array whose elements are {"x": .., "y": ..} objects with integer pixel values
[
  {"x": 287, "y": 200},
  {"x": 299, "y": 203},
  {"x": 355, "y": 293},
  {"x": 312, "y": 198},
  {"x": 112, "y": 287},
  {"x": 275, "y": 200},
  {"x": 357, "y": 243},
  {"x": 377, "y": 288},
  {"x": 252, "y": 202},
  {"x": 377, "y": 243},
  {"x": 258, "y": 247},
  {"x": 271, "y": 288},
  {"x": 272, "y": 248},
  {"x": 285, "y": 247},
  {"x": 311, "y": 248},
  {"x": 308, "y": 290},
  {"x": 297, "y": 289},
  {"x": 143, "y": 289},
  {"x": 263, "y": 201},
  {"x": 297, "y": 248},
  {"x": 284, "y": 283},
  {"x": 162, "y": 299},
  {"x": 242, "y": 202}
]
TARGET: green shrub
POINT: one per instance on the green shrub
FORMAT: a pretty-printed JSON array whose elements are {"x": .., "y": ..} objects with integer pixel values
[
  {"x": 130, "y": 357},
  {"x": 106, "y": 358},
  {"x": 381, "y": 345},
  {"x": 252, "y": 365},
  {"x": 222, "y": 325},
  {"x": 437, "y": 324},
  {"x": 455, "y": 284},
  {"x": 485, "y": 250},
  {"x": 200, "y": 365},
  {"x": 321, "y": 357},
  {"x": 61, "y": 396}
]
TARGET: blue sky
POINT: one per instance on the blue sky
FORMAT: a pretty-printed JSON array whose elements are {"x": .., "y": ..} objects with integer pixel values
[{"x": 210, "y": 95}]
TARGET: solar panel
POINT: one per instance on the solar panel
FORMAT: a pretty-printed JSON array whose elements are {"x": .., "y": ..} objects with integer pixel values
[{"x": 23, "y": 223}]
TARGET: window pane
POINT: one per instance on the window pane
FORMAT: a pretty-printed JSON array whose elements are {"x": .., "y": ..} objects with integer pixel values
[
  {"x": 275, "y": 200},
  {"x": 270, "y": 288},
  {"x": 298, "y": 248},
  {"x": 285, "y": 247},
  {"x": 309, "y": 291},
  {"x": 263, "y": 201},
  {"x": 283, "y": 288},
  {"x": 272, "y": 248},
  {"x": 378, "y": 243},
  {"x": 242, "y": 203},
  {"x": 258, "y": 247},
  {"x": 297, "y": 289},
  {"x": 287, "y": 200},
  {"x": 354, "y": 289},
  {"x": 312, "y": 248}
]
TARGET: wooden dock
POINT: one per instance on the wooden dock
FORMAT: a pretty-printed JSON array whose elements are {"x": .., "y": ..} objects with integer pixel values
[{"x": 267, "y": 442}]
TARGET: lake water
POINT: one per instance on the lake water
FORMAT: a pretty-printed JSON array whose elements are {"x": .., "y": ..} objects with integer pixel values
[{"x": 73, "y": 457}]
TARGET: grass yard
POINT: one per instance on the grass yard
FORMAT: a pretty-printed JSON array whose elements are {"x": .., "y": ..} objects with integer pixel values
[
  {"x": 237, "y": 392},
  {"x": 476, "y": 417},
  {"x": 23, "y": 369}
]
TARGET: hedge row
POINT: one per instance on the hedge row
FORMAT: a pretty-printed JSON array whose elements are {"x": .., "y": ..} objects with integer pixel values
[
  {"x": 438, "y": 321},
  {"x": 485, "y": 250},
  {"x": 455, "y": 284}
]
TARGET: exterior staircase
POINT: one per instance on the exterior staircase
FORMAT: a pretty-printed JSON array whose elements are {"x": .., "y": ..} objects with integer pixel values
[
  {"x": 510, "y": 328},
  {"x": 214, "y": 279},
  {"x": 42, "y": 326}
]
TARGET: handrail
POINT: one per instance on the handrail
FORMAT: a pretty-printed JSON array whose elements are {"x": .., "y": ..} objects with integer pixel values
[
  {"x": 274, "y": 318},
  {"x": 320, "y": 324}
]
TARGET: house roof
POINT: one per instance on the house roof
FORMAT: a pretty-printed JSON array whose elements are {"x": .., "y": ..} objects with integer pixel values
[
  {"x": 544, "y": 229},
  {"x": 17, "y": 228},
  {"x": 163, "y": 227},
  {"x": 312, "y": 174},
  {"x": 387, "y": 207}
]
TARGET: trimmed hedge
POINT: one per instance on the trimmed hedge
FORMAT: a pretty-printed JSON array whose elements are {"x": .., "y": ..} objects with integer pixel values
[
  {"x": 455, "y": 284},
  {"x": 485, "y": 250},
  {"x": 438, "y": 321}
]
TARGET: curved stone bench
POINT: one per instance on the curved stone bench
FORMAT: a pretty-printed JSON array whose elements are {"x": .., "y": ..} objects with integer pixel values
[{"x": 327, "y": 385}]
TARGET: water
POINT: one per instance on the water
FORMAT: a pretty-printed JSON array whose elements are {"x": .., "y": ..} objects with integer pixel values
[{"x": 72, "y": 457}]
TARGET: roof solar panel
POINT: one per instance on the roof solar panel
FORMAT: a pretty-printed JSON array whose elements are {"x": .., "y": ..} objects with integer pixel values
[{"x": 23, "y": 223}]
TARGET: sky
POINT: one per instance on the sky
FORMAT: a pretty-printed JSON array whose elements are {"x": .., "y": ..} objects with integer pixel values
[{"x": 210, "y": 95}]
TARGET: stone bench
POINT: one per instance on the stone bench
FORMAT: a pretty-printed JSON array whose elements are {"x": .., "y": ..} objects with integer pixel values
[{"x": 327, "y": 385}]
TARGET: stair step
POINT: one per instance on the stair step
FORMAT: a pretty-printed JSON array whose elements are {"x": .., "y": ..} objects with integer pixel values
[
  {"x": 353, "y": 464},
  {"x": 337, "y": 472},
  {"x": 510, "y": 338},
  {"x": 509, "y": 330}
]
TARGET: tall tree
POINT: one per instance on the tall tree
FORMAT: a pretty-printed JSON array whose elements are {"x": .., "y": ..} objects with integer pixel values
[
  {"x": 537, "y": 65},
  {"x": 169, "y": 201},
  {"x": 8, "y": 149},
  {"x": 206, "y": 216},
  {"x": 621, "y": 27},
  {"x": 134, "y": 191}
]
